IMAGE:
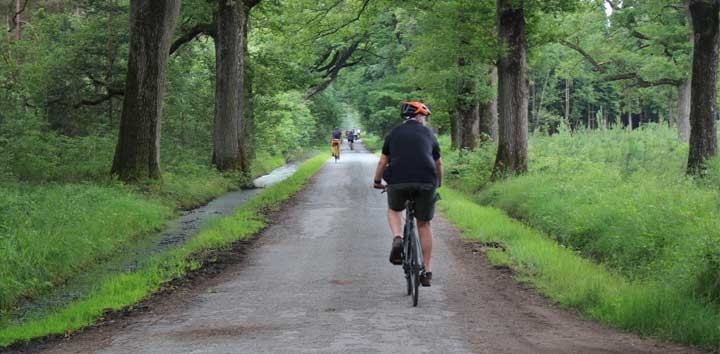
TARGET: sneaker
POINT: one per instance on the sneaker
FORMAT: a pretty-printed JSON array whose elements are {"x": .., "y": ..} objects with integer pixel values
[
  {"x": 396, "y": 251},
  {"x": 425, "y": 278}
]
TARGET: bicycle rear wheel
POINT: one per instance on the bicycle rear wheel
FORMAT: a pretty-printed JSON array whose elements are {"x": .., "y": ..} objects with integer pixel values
[
  {"x": 415, "y": 276},
  {"x": 413, "y": 268},
  {"x": 406, "y": 265}
]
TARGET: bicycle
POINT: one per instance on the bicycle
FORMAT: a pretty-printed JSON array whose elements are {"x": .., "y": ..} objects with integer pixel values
[
  {"x": 412, "y": 261},
  {"x": 412, "y": 253}
]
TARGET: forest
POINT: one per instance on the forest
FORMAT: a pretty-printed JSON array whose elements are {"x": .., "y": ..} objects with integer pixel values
[{"x": 593, "y": 122}]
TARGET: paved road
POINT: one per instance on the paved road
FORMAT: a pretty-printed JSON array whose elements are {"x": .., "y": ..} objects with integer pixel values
[{"x": 318, "y": 281}]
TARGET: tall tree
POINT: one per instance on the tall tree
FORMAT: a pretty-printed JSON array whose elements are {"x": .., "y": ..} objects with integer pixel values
[
  {"x": 705, "y": 15},
  {"x": 488, "y": 122},
  {"x": 152, "y": 23},
  {"x": 230, "y": 86},
  {"x": 467, "y": 106},
  {"x": 684, "y": 94},
  {"x": 512, "y": 90}
]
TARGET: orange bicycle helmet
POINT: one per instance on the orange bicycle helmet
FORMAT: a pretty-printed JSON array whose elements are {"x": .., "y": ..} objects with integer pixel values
[{"x": 411, "y": 109}]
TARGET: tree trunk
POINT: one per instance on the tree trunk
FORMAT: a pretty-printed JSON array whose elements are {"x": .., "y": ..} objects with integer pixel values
[
  {"x": 684, "y": 94},
  {"x": 454, "y": 130},
  {"x": 229, "y": 85},
  {"x": 705, "y": 16},
  {"x": 467, "y": 110},
  {"x": 18, "y": 26},
  {"x": 542, "y": 98},
  {"x": 488, "y": 121},
  {"x": 469, "y": 118},
  {"x": 671, "y": 114},
  {"x": 247, "y": 129},
  {"x": 568, "y": 83},
  {"x": 533, "y": 108},
  {"x": 110, "y": 57},
  {"x": 137, "y": 155},
  {"x": 512, "y": 91},
  {"x": 683, "y": 114}
]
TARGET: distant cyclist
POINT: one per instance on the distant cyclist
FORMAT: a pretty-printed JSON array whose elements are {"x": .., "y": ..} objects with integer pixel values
[
  {"x": 335, "y": 142},
  {"x": 350, "y": 135},
  {"x": 410, "y": 165}
]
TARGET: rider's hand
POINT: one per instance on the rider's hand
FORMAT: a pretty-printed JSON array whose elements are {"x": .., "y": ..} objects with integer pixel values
[{"x": 378, "y": 185}]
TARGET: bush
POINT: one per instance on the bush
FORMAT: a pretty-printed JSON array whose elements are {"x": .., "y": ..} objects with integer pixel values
[
  {"x": 465, "y": 170},
  {"x": 622, "y": 199},
  {"x": 36, "y": 156}
]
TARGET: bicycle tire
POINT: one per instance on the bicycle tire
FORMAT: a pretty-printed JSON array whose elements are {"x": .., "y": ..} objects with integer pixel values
[
  {"x": 416, "y": 291},
  {"x": 415, "y": 274},
  {"x": 406, "y": 265}
]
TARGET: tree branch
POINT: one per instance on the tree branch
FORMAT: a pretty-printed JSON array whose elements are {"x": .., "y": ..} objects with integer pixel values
[
  {"x": 192, "y": 33},
  {"x": 325, "y": 12},
  {"x": 340, "y": 61},
  {"x": 596, "y": 66},
  {"x": 15, "y": 16},
  {"x": 640, "y": 82},
  {"x": 639, "y": 35},
  {"x": 600, "y": 67},
  {"x": 251, "y": 3},
  {"x": 108, "y": 88},
  {"x": 330, "y": 31},
  {"x": 96, "y": 101}
]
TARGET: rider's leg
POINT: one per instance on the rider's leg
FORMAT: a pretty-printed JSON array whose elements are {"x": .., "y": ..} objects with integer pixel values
[
  {"x": 425, "y": 232},
  {"x": 395, "y": 219}
]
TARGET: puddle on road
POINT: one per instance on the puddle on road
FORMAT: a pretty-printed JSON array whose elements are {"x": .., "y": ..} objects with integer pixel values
[{"x": 132, "y": 257}]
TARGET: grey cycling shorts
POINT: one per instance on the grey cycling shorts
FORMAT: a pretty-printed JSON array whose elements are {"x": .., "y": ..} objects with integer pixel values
[{"x": 424, "y": 194}]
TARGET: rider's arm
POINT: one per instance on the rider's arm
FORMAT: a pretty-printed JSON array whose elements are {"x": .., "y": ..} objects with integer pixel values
[
  {"x": 439, "y": 171},
  {"x": 438, "y": 161},
  {"x": 384, "y": 159}
]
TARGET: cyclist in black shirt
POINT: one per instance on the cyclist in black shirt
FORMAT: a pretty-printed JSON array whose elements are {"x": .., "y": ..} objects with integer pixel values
[
  {"x": 350, "y": 135},
  {"x": 410, "y": 165}
]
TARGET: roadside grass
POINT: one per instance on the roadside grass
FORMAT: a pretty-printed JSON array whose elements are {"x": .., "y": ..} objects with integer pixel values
[
  {"x": 648, "y": 307},
  {"x": 123, "y": 290},
  {"x": 51, "y": 230}
]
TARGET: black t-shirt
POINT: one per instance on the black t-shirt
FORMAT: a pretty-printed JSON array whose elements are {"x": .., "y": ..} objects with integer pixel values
[
  {"x": 413, "y": 150},
  {"x": 337, "y": 134}
]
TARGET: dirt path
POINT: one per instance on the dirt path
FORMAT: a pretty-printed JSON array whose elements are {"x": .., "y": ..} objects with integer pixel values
[{"x": 318, "y": 281}]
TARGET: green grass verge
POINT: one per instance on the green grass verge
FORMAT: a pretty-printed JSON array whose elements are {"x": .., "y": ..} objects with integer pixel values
[
  {"x": 126, "y": 289},
  {"x": 646, "y": 307},
  {"x": 51, "y": 232}
]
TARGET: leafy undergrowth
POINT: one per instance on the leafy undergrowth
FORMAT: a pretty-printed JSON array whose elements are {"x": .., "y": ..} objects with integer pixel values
[
  {"x": 652, "y": 308},
  {"x": 126, "y": 289}
]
